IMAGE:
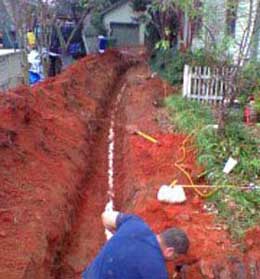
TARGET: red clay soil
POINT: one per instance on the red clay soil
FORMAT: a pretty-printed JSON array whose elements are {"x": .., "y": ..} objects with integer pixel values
[
  {"x": 53, "y": 145},
  {"x": 143, "y": 166},
  {"x": 46, "y": 137}
]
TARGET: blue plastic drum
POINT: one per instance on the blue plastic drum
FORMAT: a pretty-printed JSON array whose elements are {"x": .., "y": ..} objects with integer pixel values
[{"x": 103, "y": 41}]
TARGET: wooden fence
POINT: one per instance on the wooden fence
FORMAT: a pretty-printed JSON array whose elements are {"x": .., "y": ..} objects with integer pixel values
[{"x": 206, "y": 84}]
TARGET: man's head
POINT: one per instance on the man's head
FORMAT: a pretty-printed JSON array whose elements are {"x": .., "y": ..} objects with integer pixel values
[{"x": 173, "y": 242}]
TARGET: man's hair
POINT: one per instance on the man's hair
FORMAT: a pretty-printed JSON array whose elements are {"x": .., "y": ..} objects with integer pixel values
[{"x": 177, "y": 239}]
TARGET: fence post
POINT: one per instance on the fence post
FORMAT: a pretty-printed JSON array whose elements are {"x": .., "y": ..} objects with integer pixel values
[{"x": 186, "y": 83}]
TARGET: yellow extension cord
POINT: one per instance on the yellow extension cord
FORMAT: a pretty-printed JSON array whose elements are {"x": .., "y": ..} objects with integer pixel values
[{"x": 179, "y": 165}]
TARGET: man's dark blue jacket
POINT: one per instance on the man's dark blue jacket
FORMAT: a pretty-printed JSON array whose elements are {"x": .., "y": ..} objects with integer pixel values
[{"x": 132, "y": 253}]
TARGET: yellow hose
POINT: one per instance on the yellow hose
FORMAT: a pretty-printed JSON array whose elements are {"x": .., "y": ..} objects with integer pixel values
[
  {"x": 179, "y": 165},
  {"x": 194, "y": 186}
]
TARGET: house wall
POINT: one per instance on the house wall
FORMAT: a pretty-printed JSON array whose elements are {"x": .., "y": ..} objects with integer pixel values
[
  {"x": 214, "y": 19},
  {"x": 10, "y": 69},
  {"x": 123, "y": 14},
  {"x": 91, "y": 44}
]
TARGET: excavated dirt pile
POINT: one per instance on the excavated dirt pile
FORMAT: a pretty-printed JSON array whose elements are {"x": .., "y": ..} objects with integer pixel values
[{"x": 46, "y": 136}]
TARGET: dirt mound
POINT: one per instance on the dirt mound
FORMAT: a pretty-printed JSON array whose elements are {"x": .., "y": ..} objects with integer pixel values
[{"x": 46, "y": 135}]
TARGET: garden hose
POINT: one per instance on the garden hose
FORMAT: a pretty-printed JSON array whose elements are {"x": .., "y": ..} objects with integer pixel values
[{"x": 179, "y": 165}]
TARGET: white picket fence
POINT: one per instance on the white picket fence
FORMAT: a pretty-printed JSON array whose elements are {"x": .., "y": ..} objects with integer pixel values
[{"x": 205, "y": 84}]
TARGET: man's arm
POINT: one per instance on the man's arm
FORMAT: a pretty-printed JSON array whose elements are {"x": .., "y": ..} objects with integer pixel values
[
  {"x": 109, "y": 219},
  {"x": 113, "y": 220}
]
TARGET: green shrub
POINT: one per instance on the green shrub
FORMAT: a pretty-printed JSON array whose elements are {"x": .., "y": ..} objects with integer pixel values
[
  {"x": 170, "y": 63},
  {"x": 250, "y": 81},
  {"x": 139, "y": 5},
  {"x": 257, "y": 101}
]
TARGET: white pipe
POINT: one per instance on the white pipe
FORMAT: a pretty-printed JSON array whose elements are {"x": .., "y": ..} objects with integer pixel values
[
  {"x": 111, "y": 146},
  {"x": 111, "y": 149}
]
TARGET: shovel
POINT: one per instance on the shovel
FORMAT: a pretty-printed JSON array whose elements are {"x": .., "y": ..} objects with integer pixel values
[{"x": 132, "y": 129}]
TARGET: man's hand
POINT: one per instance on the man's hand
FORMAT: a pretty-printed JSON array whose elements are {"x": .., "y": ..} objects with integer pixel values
[{"x": 109, "y": 220}]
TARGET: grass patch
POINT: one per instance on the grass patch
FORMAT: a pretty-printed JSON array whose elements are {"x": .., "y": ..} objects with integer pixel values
[{"x": 238, "y": 209}]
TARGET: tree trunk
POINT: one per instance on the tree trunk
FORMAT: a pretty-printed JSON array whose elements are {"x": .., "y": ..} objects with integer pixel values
[{"x": 222, "y": 118}]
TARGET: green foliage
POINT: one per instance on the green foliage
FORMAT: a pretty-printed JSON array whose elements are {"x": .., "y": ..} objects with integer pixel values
[
  {"x": 250, "y": 84},
  {"x": 257, "y": 101},
  {"x": 250, "y": 79},
  {"x": 188, "y": 6},
  {"x": 152, "y": 35},
  {"x": 84, "y": 3},
  {"x": 239, "y": 210},
  {"x": 162, "y": 45},
  {"x": 213, "y": 151},
  {"x": 161, "y": 21},
  {"x": 98, "y": 7},
  {"x": 183, "y": 111},
  {"x": 169, "y": 63},
  {"x": 139, "y": 5}
]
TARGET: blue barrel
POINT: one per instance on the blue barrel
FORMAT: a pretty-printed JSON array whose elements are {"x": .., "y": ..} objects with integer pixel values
[{"x": 103, "y": 41}]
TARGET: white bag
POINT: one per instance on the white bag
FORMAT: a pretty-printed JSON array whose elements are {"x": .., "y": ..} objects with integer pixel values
[{"x": 169, "y": 194}]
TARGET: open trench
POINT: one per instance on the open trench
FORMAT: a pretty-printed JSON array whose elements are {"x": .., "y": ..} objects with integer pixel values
[
  {"x": 137, "y": 170},
  {"x": 105, "y": 174},
  {"x": 88, "y": 235}
]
